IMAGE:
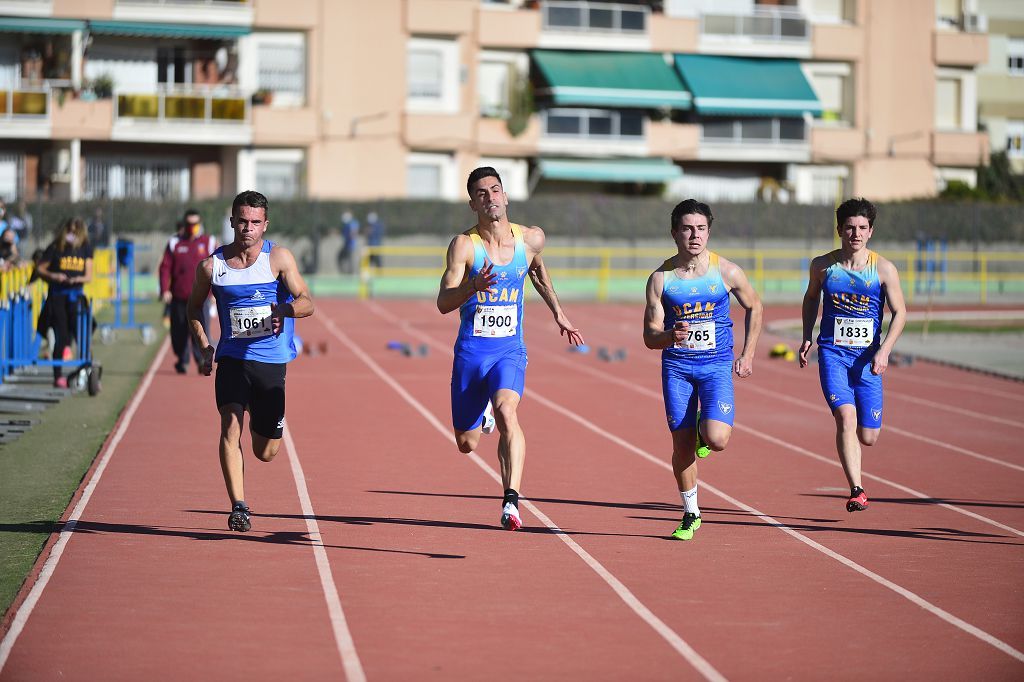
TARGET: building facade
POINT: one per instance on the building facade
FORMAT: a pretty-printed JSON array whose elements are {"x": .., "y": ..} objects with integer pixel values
[
  {"x": 1001, "y": 79},
  {"x": 791, "y": 100}
]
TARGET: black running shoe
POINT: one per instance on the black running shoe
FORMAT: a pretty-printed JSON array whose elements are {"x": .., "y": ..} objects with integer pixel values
[{"x": 238, "y": 519}]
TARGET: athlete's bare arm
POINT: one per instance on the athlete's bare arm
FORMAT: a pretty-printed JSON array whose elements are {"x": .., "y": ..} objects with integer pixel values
[
  {"x": 655, "y": 336},
  {"x": 812, "y": 299},
  {"x": 196, "y": 301},
  {"x": 283, "y": 263},
  {"x": 456, "y": 287},
  {"x": 741, "y": 289},
  {"x": 534, "y": 239},
  {"x": 890, "y": 279}
]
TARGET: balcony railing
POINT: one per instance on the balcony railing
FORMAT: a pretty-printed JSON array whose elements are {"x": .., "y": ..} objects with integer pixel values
[
  {"x": 25, "y": 103},
  {"x": 184, "y": 106},
  {"x": 778, "y": 131},
  {"x": 187, "y": 3},
  {"x": 593, "y": 124},
  {"x": 594, "y": 17},
  {"x": 781, "y": 25}
]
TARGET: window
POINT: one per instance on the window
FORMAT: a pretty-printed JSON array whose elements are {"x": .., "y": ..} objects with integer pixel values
[
  {"x": 947, "y": 104},
  {"x": 1015, "y": 56},
  {"x": 279, "y": 179},
  {"x": 755, "y": 130},
  {"x": 595, "y": 123},
  {"x": 430, "y": 176},
  {"x": 1015, "y": 139},
  {"x": 831, "y": 11},
  {"x": 947, "y": 13},
  {"x": 172, "y": 68},
  {"x": 432, "y": 75},
  {"x": 496, "y": 77},
  {"x": 282, "y": 65},
  {"x": 136, "y": 179},
  {"x": 833, "y": 85},
  {"x": 12, "y": 175},
  {"x": 601, "y": 17}
]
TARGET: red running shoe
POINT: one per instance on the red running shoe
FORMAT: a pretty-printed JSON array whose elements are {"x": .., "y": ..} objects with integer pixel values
[{"x": 858, "y": 500}]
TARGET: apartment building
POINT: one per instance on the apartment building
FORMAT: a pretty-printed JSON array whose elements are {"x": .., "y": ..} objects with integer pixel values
[
  {"x": 1001, "y": 79},
  {"x": 798, "y": 100}
]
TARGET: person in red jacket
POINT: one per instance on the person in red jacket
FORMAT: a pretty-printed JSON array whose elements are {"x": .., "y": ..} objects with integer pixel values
[{"x": 177, "y": 270}]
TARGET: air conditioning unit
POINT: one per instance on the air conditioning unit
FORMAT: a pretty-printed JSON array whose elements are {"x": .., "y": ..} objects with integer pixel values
[{"x": 974, "y": 23}]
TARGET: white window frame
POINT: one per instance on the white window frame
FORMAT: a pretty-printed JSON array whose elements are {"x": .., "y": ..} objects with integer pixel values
[
  {"x": 448, "y": 101},
  {"x": 515, "y": 175},
  {"x": 615, "y": 8},
  {"x": 249, "y": 64},
  {"x": 968, "y": 98},
  {"x": 115, "y": 168},
  {"x": 445, "y": 163},
  {"x": 518, "y": 64},
  {"x": 842, "y": 70},
  {"x": 584, "y": 134},
  {"x": 1015, "y": 138}
]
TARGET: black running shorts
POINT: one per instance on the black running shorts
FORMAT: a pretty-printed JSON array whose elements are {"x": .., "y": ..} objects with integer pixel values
[{"x": 256, "y": 386}]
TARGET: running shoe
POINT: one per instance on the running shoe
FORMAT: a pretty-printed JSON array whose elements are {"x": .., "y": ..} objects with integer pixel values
[
  {"x": 702, "y": 449},
  {"x": 60, "y": 382},
  {"x": 510, "y": 519},
  {"x": 686, "y": 529},
  {"x": 238, "y": 519},
  {"x": 858, "y": 500},
  {"x": 489, "y": 423}
]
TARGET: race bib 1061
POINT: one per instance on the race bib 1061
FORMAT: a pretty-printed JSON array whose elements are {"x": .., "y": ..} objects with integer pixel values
[
  {"x": 699, "y": 336},
  {"x": 495, "y": 320},
  {"x": 853, "y": 332},
  {"x": 248, "y": 323}
]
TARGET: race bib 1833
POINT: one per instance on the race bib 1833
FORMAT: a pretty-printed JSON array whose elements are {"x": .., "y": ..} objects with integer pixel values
[
  {"x": 495, "y": 320},
  {"x": 699, "y": 336},
  {"x": 248, "y": 323},
  {"x": 853, "y": 332}
]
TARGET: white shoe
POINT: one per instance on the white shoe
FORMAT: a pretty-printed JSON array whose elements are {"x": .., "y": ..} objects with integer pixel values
[
  {"x": 489, "y": 423},
  {"x": 510, "y": 519}
]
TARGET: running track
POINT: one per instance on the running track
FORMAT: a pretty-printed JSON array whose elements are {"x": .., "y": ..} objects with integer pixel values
[{"x": 376, "y": 555}]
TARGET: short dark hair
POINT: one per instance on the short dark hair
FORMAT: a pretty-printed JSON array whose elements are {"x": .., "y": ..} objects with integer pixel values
[
  {"x": 856, "y": 207},
  {"x": 477, "y": 174},
  {"x": 252, "y": 199},
  {"x": 191, "y": 212},
  {"x": 688, "y": 207}
]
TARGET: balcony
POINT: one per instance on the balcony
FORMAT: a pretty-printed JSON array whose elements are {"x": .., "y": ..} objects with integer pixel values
[
  {"x": 493, "y": 138},
  {"x": 25, "y": 112},
  {"x": 26, "y": 8},
  {"x": 763, "y": 31},
  {"x": 964, "y": 149},
  {"x": 579, "y": 24},
  {"x": 216, "y": 12},
  {"x": 960, "y": 49},
  {"x": 754, "y": 139},
  {"x": 218, "y": 116},
  {"x": 593, "y": 132}
]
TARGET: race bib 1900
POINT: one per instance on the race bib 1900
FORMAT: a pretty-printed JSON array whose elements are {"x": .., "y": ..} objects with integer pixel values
[
  {"x": 699, "y": 336},
  {"x": 248, "y": 323},
  {"x": 495, "y": 320},
  {"x": 853, "y": 332}
]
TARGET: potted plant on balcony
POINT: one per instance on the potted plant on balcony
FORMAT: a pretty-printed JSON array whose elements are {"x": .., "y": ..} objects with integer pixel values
[
  {"x": 103, "y": 86},
  {"x": 263, "y": 96}
]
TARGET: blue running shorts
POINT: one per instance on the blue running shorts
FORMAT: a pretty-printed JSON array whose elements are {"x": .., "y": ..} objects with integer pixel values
[
  {"x": 477, "y": 377},
  {"x": 683, "y": 382},
  {"x": 846, "y": 379}
]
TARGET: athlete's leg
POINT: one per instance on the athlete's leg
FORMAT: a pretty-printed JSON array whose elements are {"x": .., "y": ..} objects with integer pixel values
[
  {"x": 512, "y": 440},
  {"x": 847, "y": 443},
  {"x": 469, "y": 400},
  {"x": 717, "y": 403},
  {"x": 684, "y": 461},
  {"x": 834, "y": 372},
  {"x": 867, "y": 392},
  {"x": 266, "y": 408},
  {"x": 231, "y": 464}
]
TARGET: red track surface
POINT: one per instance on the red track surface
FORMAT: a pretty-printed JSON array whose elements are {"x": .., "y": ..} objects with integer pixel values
[{"x": 780, "y": 581}]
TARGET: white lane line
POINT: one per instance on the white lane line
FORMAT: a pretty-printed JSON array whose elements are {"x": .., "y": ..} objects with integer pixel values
[
  {"x": 342, "y": 636},
  {"x": 831, "y": 461},
  {"x": 902, "y": 591},
  {"x": 957, "y": 410},
  {"x": 670, "y": 636},
  {"x": 958, "y": 386},
  {"x": 25, "y": 610}
]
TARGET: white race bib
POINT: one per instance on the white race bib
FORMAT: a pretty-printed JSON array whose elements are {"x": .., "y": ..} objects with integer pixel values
[
  {"x": 495, "y": 320},
  {"x": 853, "y": 332},
  {"x": 699, "y": 336},
  {"x": 248, "y": 323}
]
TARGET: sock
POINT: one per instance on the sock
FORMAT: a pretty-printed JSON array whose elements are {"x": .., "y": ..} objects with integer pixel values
[
  {"x": 689, "y": 498},
  {"x": 240, "y": 504},
  {"x": 856, "y": 490},
  {"x": 511, "y": 496}
]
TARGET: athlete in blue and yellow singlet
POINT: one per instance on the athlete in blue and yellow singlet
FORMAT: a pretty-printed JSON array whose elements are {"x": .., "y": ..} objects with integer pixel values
[
  {"x": 258, "y": 290},
  {"x": 485, "y": 271},
  {"x": 856, "y": 284},
  {"x": 687, "y": 317}
]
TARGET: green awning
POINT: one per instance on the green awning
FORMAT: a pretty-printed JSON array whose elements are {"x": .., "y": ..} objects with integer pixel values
[
  {"x": 610, "y": 79},
  {"x": 610, "y": 170},
  {"x": 737, "y": 86},
  {"x": 39, "y": 25},
  {"x": 160, "y": 30}
]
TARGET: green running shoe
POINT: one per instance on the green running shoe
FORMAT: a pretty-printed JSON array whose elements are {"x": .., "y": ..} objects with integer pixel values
[
  {"x": 702, "y": 450},
  {"x": 690, "y": 523}
]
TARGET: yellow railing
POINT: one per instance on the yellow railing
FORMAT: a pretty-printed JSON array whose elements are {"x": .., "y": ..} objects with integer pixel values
[
  {"x": 189, "y": 106},
  {"x": 976, "y": 273},
  {"x": 24, "y": 102}
]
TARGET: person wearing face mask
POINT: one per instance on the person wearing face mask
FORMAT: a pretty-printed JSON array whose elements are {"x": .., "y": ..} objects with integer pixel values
[
  {"x": 177, "y": 270},
  {"x": 9, "y": 257},
  {"x": 66, "y": 265}
]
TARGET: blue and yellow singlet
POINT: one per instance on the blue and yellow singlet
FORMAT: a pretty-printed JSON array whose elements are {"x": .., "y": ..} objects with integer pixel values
[
  {"x": 853, "y": 305},
  {"x": 703, "y": 302},
  {"x": 492, "y": 321}
]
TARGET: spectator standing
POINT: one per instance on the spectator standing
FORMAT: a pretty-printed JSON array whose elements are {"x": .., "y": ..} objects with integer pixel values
[{"x": 177, "y": 271}]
